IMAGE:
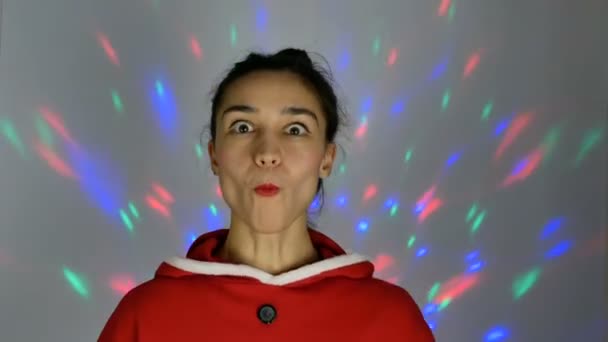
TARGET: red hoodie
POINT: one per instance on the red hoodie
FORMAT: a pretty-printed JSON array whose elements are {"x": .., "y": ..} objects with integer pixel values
[{"x": 202, "y": 298}]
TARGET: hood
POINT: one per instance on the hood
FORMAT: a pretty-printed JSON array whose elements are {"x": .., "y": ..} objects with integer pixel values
[{"x": 202, "y": 259}]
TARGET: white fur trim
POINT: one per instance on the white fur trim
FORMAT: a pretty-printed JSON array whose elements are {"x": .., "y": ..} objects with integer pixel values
[{"x": 216, "y": 268}]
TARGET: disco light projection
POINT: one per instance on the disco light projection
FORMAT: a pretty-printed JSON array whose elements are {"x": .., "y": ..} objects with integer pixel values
[
  {"x": 362, "y": 129},
  {"x": 126, "y": 220},
  {"x": 55, "y": 121},
  {"x": 261, "y": 19},
  {"x": 121, "y": 284},
  {"x": 443, "y": 8},
  {"x": 163, "y": 193},
  {"x": 218, "y": 191},
  {"x": 421, "y": 252},
  {"x": 513, "y": 131},
  {"x": 45, "y": 134},
  {"x": 444, "y": 304},
  {"x": 473, "y": 263},
  {"x": 451, "y": 13},
  {"x": 456, "y": 287},
  {"x": 496, "y": 334},
  {"x": 397, "y": 108},
  {"x": 212, "y": 219},
  {"x": 117, "y": 102},
  {"x": 433, "y": 291},
  {"x": 12, "y": 137},
  {"x": 233, "y": 35},
  {"x": 342, "y": 168},
  {"x": 343, "y": 61},
  {"x": 392, "y": 57},
  {"x": 157, "y": 206},
  {"x": 551, "y": 227},
  {"x": 426, "y": 205},
  {"x": 363, "y": 226},
  {"x": 376, "y": 46},
  {"x": 439, "y": 69},
  {"x": 134, "y": 211},
  {"x": 453, "y": 159},
  {"x": 198, "y": 149},
  {"x": 195, "y": 48},
  {"x": 524, "y": 168},
  {"x": 487, "y": 111},
  {"x": 77, "y": 282},
  {"x": 55, "y": 162},
  {"x": 383, "y": 261},
  {"x": 107, "y": 47},
  {"x": 411, "y": 241},
  {"x": 366, "y": 105},
  {"x": 370, "y": 192},
  {"x": 477, "y": 222},
  {"x": 445, "y": 101},
  {"x": 559, "y": 250},
  {"x": 501, "y": 126},
  {"x": 341, "y": 201},
  {"x": 471, "y": 65},
  {"x": 524, "y": 282},
  {"x": 549, "y": 142},
  {"x": 591, "y": 138},
  {"x": 408, "y": 155},
  {"x": 471, "y": 212},
  {"x": 164, "y": 106}
]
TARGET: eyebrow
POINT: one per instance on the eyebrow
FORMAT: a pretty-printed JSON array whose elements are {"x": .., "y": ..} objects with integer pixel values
[{"x": 287, "y": 110}]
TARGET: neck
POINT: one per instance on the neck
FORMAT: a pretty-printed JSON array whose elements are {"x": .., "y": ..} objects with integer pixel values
[{"x": 274, "y": 252}]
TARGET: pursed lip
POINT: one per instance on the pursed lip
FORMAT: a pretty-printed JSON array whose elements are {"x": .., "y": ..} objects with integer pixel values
[{"x": 267, "y": 187}]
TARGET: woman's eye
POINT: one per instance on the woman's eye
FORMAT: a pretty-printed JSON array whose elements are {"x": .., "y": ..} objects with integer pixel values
[
  {"x": 241, "y": 127},
  {"x": 297, "y": 129}
]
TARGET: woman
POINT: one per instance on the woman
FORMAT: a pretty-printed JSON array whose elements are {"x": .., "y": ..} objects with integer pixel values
[{"x": 269, "y": 276}]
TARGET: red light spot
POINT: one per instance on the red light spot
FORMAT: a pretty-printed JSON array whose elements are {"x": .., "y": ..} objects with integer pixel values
[
  {"x": 392, "y": 56},
  {"x": 444, "y": 6},
  {"x": 107, "y": 48},
  {"x": 195, "y": 47},
  {"x": 54, "y": 161},
  {"x": 370, "y": 192}
]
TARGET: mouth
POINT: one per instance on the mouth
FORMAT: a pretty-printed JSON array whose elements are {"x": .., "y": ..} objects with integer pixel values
[{"x": 267, "y": 189}]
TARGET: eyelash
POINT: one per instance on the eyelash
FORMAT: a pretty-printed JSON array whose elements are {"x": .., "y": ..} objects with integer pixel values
[{"x": 235, "y": 124}]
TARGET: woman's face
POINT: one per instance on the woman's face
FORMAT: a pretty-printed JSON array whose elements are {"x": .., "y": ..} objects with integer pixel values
[{"x": 270, "y": 129}]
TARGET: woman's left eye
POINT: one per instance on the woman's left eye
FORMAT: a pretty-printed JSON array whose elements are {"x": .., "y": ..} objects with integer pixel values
[{"x": 301, "y": 128}]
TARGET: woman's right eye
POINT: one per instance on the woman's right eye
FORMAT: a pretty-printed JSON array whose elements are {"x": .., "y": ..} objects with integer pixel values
[{"x": 240, "y": 127}]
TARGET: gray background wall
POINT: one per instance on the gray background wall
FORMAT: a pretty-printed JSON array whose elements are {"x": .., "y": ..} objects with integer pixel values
[{"x": 86, "y": 132}]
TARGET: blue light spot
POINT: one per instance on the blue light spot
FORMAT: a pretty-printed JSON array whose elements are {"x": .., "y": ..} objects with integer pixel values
[
  {"x": 496, "y": 334},
  {"x": 430, "y": 308},
  {"x": 501, "y": 126},
  {"x": 439, "y": 70},
  {"x": 261, "y": 19},
  {"x": 559, "y": 249},
  {"x": 363, "y": 226},
  {"x": 476, "y": 266},
  {"x": 421, "y": 252},
  {"x": 453, "y": 159},
  {"x": 341, "y": 201},
  {"x": 366, "y": 105},
  {"x": 398, "y": 107},
  {"x": 344, "y": 61},
  {"x": 389, "y": 203},
  {"x": 551, "y": 227},
  {"x": 472, "y": 255}
]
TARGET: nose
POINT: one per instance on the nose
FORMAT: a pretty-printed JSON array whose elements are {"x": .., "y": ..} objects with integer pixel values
[{"x": 267, "y": 154}]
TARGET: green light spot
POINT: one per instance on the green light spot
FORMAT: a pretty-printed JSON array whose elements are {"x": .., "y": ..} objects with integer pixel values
[
  {"x": 433, "y": 291},
  {"x": 408, "y": 155},
  {"x": 10, "y": 133},
  {"x": 590, "y": 139},
  {"x": 117, "y": 102},
  {"x": 487, "y": 110},
  {"x": 444, "y": 304},
  {"x": 233, "y": 35},
  {"x": 411, "y": 241},
  {"x": 213, "y": 209},
  {"x": 45, "y": 133},
  {"x": 376, "y": 46},
  {"x": 126, "y": 220},
  {"x": 342, "y": 168},
  {"x": 549, "y": 143},
  {"x": 451, "y": 12},
  {"x": 394, "y": 209},
  {"x": 446, "y": 100},
  {"x": 477, "y": 222},
  {"x": 78, "y": 283},
  {"x": 199, "y": 151},
  {"x": 471, "y": 212},
  {"x": 524, "y": 283},
  {"x": 134, "y": 211}
]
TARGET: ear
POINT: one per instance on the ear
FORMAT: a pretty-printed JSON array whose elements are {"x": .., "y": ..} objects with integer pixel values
[
  {"x": 212, "y": 158},
  {"x": 328, "y": 160}
]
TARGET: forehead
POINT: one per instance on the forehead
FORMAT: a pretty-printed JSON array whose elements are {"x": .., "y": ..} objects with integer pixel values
[{"x": 271, "y": 88}]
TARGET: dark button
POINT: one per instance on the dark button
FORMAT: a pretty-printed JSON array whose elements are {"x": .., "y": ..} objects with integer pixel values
[{"x": 267, "y": 313}]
